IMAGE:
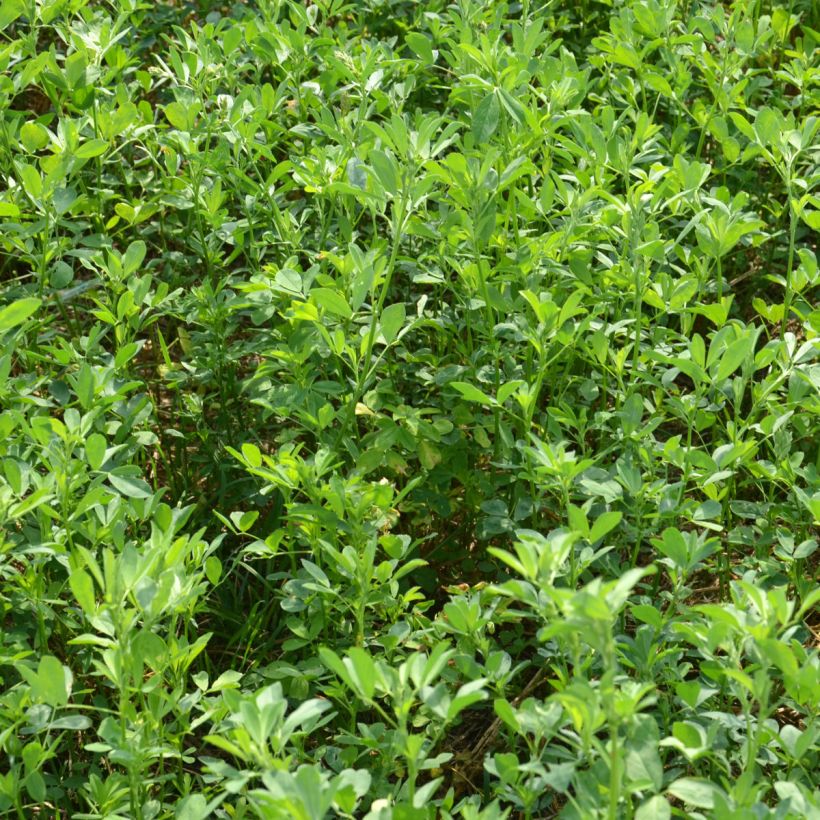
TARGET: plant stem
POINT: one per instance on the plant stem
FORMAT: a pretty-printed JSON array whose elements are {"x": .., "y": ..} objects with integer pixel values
[
  {"x": 787, "y": 299},
  {"x": 364, "y": 369}
]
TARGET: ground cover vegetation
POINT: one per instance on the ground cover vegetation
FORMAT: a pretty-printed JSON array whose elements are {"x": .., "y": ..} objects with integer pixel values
[{"x": 409, "y": 410}]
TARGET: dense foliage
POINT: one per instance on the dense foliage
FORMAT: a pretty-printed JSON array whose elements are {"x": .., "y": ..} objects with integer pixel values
[{"x": 409, "y": 409}]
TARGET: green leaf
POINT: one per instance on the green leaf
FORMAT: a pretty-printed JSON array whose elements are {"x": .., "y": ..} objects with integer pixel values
[
  {"x": 95, "y": 447},
  {"x": 657, "y": 82},
  {"x": 231, "y": 39},
  {"x": 130, "y": 487},
  {"x": 334, "y": 663},
  {"x": 471, "y": 692},
  {"x": 14, "y": 475},
  {"x": 812, "y": 219},
  {"x": 743, "y": 125},
  {"x": 91, "y": 148},
  {"x": 63, "y": 198},
  {"x": 485, "y": 222},
  {"x": 362, "y": 672},
  {"x": 604, "y": 524},
  {"x": 84, "y": 386},
  {"x": 656, "y": 808},
  {"x": 648, "y": 614},
  {"x": 126, "y": 353},
  {"x": 768, "y": 125},
  {"x": 407, "y": 567},
  {"x": 695, "y": 372},
  {"x": 716, "y": 313},
  {"x": 8, "y": 209},
  {"x": 31, "y": 180},
  {"x": 734, "y": 356},
  {"x": 512, "y": 106},
  {"x": 745, "y": 36},
  {"x": 33, "y": 136},
  {"x": 36, "y": 786},
  {"x": 632, "y": 413},
  {"x": 472, "y": 393},
  {"x": 506, "y": 390},
  {"x": 690, "y": 735},
  {"x": 578, "y": 520},
  {"x": 505, "y": 711},
  {"x": 133, "y": 257},
  {"x": 221, "y": 743},
  {"x": 811, "y": 600},
  {"x": 429, "y": 455},
  {"x": 10, "y": 10},
  {"x": 731, "y": 149},
  {"x": 213, "y": 569},
  {"x": 17, "y": 312},
  {"x": 695, "y": 791},
  {"x": 485, "y": 118},
  {"x": 386, "y": 170},
  {"x": 53, "y": 682},
  {"x": 177, "y": 115},
  {"x": 73, "y": 723},
  {"x": 252, "y": 454},
  {"x": 391, "y": 321},
  {"x": 643, "y": 765},
  {"x": 673, "y": 546},
  {"x": 288, "y": 281},
  {"x": 32, "y": 502},
  {"x": 421, "y": 46},
  {"x": 83, "y": 588},
  {"x": 245, "y": 520},
  {"x": 332, "y": 301},
  {"x": 192, "y": 807}
]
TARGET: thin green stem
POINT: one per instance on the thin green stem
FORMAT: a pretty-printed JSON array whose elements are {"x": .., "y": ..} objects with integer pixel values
[
  {"x": 789, "y": 295},
  {"x": 365, "y": 368}
]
